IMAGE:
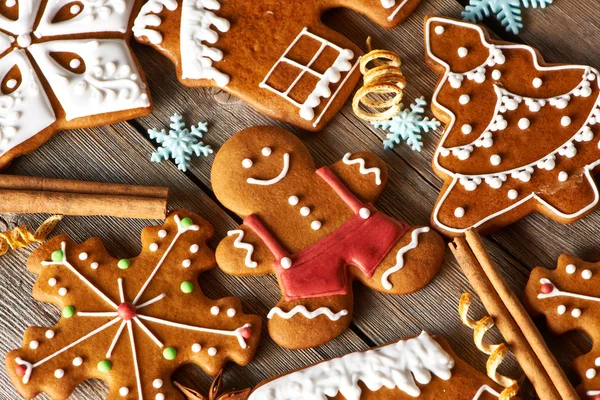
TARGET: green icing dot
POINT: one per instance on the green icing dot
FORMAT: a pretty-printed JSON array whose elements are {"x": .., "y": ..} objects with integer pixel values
[
  {"x": 68, "y": 311},
  {"x": 187, "y": 222},
  {"x": 58, "y": 255},
  {"x": 169, "y": 353},
  {"x": 187, "y": 287},
  {"x": 124, "y": 263},
  {"x": 104, "y": 366}
]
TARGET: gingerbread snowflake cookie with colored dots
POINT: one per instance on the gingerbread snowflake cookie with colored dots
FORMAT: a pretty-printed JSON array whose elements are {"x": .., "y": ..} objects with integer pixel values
[
  {"x": 569, "y": 299},
  {"x": 65, "y": 65},
  {"x": 276, "y": 56},
  {"x": 317, "y": 229},
  {"x": 130, "y": 322},
  {"x": 521, "y": 135}
]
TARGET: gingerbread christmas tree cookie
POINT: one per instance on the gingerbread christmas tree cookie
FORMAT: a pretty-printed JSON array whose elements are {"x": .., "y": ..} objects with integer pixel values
[
  {"x": 276, "y": 56},
  {"x": 130, "y": 322},
  {"x": 521, "y": 134},
  {"x": 317, "y": 229},
  {"x": 65, "y": 65}
]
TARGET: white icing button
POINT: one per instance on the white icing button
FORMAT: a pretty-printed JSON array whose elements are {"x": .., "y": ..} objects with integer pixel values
[
  {"x": 462, "y": 52},
  {"x": 83, "y": 256},
  {"x": 439, "y": 29},
  {"x": 34, "y": 344},
  {"x": 561, "y": 309},
  {"x": 496, "y": 74},
  {"x": 49, "y": 334},
  {"x": 537, "y": 83},
  {"x": 586, "y": 274},
  {"x": 563, "y": 176},
  {"x": 495, "y": 159},
  {"x": 160, "y": 396},
  {"x": 196, "y": 348},
  {"x": 466, "y": 129},
  {"x": 464, "y": 99},
  {"x": 77, "y": 361},
  {"x": 459, "y": 212},
  {"x": 524, "y": 123},
  {"x": 513, "y": 194},
  {"x": 94, "y": 265},
  {"x": 266, "y": 151},
  {"x": 231, "y": 312},
  {"x": 247, "y": 163},
  {"x": 212, "y": 351},
  {"x": 215, "y": 310},
  {"x": 62, "y": 291},
  {"x": 565, "y": 121},
  {"x": 590, "y": 373},
  {"x": 571, "y": 269},
  {"x": 186, "y": 263},
  {"x": 161, "y": 234},
  {"x": 597, "y": 362},
  {"x": 576, "y": 313},
  {"x": 315, "y": 225},
  {"x": 364, "y": 213},
  {"x": 123, "y": 391},
  {"x": 157, "y": 383},
  {"x": 194, "y": 248},
  {"x": 286, "y": 262},
  {"x": 304, "y": 211},
  {"x": 153, "y": 246},
  {"x": 293, "y": 200},
  {"x": 59, "y": 373},
  {"x": 52, "y": 281}
]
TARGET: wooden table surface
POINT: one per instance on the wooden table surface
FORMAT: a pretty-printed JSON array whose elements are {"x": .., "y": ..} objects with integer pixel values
[{"x": 120, "y": 153}]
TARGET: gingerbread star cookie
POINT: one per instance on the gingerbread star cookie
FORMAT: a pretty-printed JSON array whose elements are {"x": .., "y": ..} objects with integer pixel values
[
  {"x": 65, "y": 65},
  {"x": 569, "y": 298},
  {"x": 521, "y": 134},
  {"x": 130, "y": 322},
  {"x": 317, "y": 230},
  {"x": 277, "y": 56}
]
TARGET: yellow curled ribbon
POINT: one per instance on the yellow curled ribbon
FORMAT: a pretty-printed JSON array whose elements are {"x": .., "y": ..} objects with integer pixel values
[{"x": 21, "y": 236}]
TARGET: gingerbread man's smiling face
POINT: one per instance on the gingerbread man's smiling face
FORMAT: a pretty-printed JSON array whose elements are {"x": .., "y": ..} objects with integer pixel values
[{"x": 257, "y": 168}]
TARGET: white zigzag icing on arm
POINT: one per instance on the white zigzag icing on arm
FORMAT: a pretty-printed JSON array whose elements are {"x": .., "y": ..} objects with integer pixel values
[
  {"x": 308, "y": 314},
  {"x": 238, "y": 244},
  {"x": 400, "y": 257},
  {"x": 364, "y": 171}
]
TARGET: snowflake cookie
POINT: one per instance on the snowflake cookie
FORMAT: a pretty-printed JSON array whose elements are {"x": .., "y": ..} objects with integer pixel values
[
  {"x": 65, "y": 65},
  {"x": 275, "y": 55},
  {"x": 130, "y": 322},
  {"x": 508, "y": 12},
  {"x": 521, "y": 134},
  {"x": 569, "y": 298}
]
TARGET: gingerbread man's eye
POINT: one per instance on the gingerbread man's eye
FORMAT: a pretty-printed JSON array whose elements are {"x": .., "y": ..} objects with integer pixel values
[
  {"x": 266, "y": 151},
  {"x": 247, "y": 163}
]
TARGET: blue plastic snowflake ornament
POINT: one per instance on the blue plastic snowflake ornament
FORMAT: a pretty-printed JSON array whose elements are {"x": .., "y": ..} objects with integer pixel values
[
  {"x": 508, "y": 12},
  {"x": 180, "y": 143},
  {"x": 407, "y": 126}
]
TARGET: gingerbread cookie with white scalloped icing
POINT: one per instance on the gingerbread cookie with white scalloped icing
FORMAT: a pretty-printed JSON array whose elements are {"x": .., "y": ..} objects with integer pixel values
[
  {"x": 317, "y": 230},
  {"x": 130, "y": 322},
  {"x": 65, "y": 65},
  {"x": 521, "y": 134},
  {"x": 277, "y": 56}
]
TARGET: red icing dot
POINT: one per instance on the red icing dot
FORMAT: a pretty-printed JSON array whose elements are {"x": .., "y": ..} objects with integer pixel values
[
  {"x": 246, "y": 332},
  {"x": 597, "y": 397},
  {"x": 126, "y": 311},
  {"x": 20, "y": 370},
  {"x": 547, "y": 288}
]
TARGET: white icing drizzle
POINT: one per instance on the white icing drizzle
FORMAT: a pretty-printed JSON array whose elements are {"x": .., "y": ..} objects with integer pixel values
[
  {"x": 135, "y": 360},
  {"x": 385, "y": 281},
  {"x": 396, "y": 10},
  {"x": 307, "y": 314},
  {"x": 147, "y": 19},
  {"x": 363, "y": 171},
  {"x": 483, "y": 389},
  {"x": 239, "y": 244},
  {"x": 398, "y": 365},
  {"x": 196, "y": 57},
  {"x": 272, "y": 181}
]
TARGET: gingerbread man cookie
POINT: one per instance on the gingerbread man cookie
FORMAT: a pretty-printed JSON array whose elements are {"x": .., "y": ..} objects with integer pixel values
[
  {"x": 521, "y": 134},
  {"x": 130, "y": 322},
  {"x": 317, "y": 230},
  {"x": 277, "y": 56},
  {"x": 65, "y": 65},
  {"x": 569, "y": 298}
]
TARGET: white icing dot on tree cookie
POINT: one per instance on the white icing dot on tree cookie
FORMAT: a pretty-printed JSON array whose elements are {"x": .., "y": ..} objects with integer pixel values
[
  {"x": 459, "y": 212},
  {"x": 34, "y": 344},
  {"x": 464, "y": 99},
  {"x": 462, "y": 52},
  {"x": 212, "y": 352},
  {"x": 215, "y": 310}
]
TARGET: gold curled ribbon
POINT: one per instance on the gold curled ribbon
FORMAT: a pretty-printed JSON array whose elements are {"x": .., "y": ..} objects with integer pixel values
[
  {"x": 497, "y": 352},
  {"x": 21, "y": 236},
  {"x": 385, "y": 79}
]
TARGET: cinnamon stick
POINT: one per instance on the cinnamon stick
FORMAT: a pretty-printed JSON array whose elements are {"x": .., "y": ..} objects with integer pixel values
[
  {"x": 512, "y": 335},
  {"x": 23, "y": 194}
]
